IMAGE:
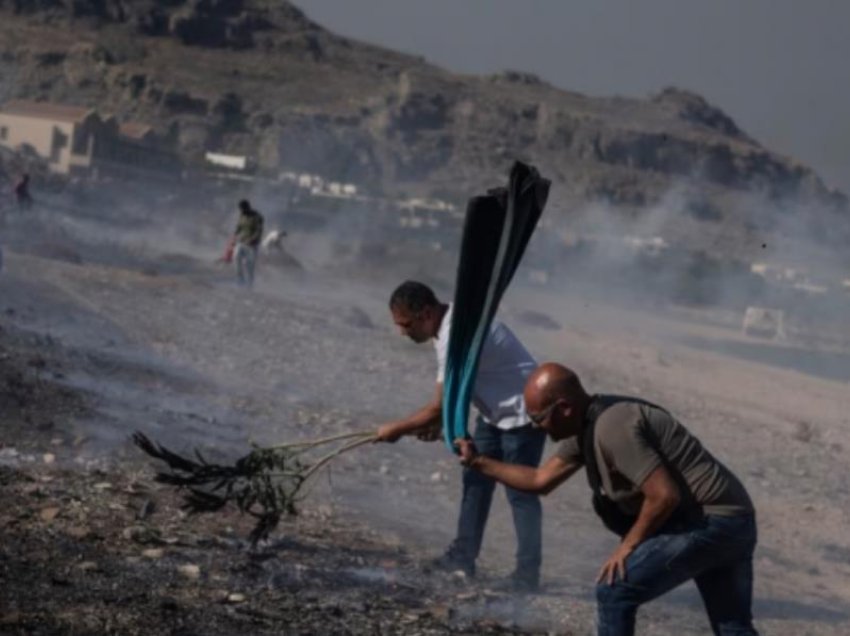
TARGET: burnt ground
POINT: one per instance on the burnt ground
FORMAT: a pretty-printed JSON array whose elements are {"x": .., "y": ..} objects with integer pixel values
[
  {"x": 106, "y": 552},
  {"x": 92, "y": 545},
  {"x": 107, "y": 328}
]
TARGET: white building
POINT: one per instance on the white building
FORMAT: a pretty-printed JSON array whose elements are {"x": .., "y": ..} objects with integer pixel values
[
  {"x": 62, "y": 135},
  {"x": 231, "y": 162},
  {"x": 76, "y": 138}
]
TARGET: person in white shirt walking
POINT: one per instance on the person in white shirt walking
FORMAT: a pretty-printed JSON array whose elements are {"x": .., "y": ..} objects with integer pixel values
[{"x": 502, "y": 430}]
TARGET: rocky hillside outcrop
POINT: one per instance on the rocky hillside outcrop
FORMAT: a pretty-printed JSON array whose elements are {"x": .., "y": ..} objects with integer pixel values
[
  {"x": 214, "y": 23},
  {"x": 258, "y": 77}
]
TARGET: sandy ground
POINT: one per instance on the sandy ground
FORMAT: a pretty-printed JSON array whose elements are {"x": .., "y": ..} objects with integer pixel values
[{"x": 167, "y": 344}]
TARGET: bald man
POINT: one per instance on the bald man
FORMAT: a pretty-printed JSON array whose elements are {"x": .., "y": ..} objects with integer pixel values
[{"x": 681, "y": 514}]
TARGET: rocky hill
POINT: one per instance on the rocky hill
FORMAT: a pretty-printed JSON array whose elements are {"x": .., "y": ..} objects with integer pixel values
[{"x": 258, "y": 77}]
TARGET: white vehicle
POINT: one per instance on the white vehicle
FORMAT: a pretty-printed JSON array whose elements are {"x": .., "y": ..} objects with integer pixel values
[{"x": 764, "y": 322}]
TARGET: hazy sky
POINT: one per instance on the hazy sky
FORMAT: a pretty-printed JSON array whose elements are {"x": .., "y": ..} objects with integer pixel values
[{"x": 780, "y": 68}]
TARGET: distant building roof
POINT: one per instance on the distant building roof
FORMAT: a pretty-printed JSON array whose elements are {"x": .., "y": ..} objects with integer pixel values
[
  {"x": 46, "y": 110},
  {"x": 135, "y": 130}
]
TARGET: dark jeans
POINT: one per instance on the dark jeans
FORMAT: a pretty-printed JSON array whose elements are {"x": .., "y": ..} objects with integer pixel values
[
  {"x": 717, "y": 553},
  {"x": 522, "y": 445},
  {"x": 246, "y": 261}
]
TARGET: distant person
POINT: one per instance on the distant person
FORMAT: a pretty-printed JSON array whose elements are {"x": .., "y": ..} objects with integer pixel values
[
  {"x": 681, "y": 514},
  {"x": 273, "y": 240},
  {"x": 502, "y": 430},
  {"x": 247, "y": 237},
  {"x": 22, "y": 192}
]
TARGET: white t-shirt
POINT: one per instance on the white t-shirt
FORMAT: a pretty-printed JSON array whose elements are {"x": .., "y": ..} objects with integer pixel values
[{"x": 503, "y": 368}]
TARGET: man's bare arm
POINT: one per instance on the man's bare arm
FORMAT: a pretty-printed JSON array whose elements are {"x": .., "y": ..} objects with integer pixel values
[
  {"x": 660, "y": 498},
  {"x": 429, "y": 415},
  {"x": 542, "y": 480}
]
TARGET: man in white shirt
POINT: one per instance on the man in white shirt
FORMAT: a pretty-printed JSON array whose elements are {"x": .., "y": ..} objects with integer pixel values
[{"x": 502, "y": 429}]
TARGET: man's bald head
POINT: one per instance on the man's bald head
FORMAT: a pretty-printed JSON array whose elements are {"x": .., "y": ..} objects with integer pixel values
[
  {"x": 555, "y": 400},
  {"x": 550, "y": 382}
]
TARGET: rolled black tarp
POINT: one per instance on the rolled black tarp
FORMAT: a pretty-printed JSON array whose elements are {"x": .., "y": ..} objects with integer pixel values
[{"x": 496, "y": 231}]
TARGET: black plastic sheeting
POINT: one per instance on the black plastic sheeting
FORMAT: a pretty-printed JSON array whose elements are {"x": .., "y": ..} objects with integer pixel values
[{"x": 496, "y": 232}]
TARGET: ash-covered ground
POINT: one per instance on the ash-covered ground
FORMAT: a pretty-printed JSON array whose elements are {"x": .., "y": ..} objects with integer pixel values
[{"x": 118, "y": 319}]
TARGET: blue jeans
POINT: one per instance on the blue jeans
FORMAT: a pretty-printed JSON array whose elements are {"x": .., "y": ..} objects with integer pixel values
[
  {"x": 717, "y": 553},
  {"x": 524, "y": 446},
  {"x": 246, "y": 261}
]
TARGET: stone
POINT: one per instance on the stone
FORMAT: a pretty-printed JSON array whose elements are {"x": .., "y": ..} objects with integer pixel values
[
  {"x": 153, "y": 553},
  {"x": 235, "y": 597},
  {"x": 78, "y": 532},
  {"x": 169, "y": 604},
  {"x": 189, "y": 571},
  {"x": 356, "y": 317},
  {"x": 141, "y": 534},
  {"x": 146, "y": 510},
  {"x": 540, "y": 320},
  {"x": 803, "y": 432},
  {"x": 49, "y": 514}
]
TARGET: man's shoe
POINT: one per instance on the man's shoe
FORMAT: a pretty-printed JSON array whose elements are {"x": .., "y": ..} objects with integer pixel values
[
  {"x": 450, "y": 562},
  {"x": 520, "y": 584}
]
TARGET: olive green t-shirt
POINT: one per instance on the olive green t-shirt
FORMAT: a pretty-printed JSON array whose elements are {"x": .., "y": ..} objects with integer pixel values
[
  {"x": 632, "y": 438},
  {"x": 249, "y": 228}
]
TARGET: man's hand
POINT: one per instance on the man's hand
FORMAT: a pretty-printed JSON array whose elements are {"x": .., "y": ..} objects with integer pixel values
[
  {"x": 615, "y": 566},
  {"x": 430, "y": 434},
  {"x": 660, "y": 498},
  {"x": 387, "y": 433},
  {"x": 468, "y": 452}
]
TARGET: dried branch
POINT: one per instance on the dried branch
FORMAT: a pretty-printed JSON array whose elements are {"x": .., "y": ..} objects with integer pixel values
[{"x": 265, "y": 483}]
